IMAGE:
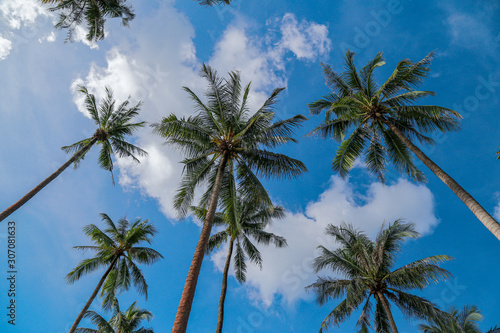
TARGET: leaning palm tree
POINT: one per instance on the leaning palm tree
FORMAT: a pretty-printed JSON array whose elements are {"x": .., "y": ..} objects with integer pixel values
[
  {"x": 243, "y": 220},
  {"x": 115, "y": 248},
  {"x": 113, "y": 125},
  {"x": 95, "y": 12},
  {"x": 459, "y": 321},
  {"x": 367, "y": 269},
  {"x": 386, "y": 121},
  {"x": 120, "y": 322},
  {"x": 224, "y": 138}
]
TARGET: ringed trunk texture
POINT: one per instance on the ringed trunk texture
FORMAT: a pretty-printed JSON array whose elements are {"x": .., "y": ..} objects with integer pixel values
[
  {"x": 92, "y": 297},
  {"x": 387, "y": 309},
  {"x": 47, "y": 180},
  {"x": 184, "y": 309},
  {"x": 486, "y": 219},
  {"x": 220, "y": 319}
]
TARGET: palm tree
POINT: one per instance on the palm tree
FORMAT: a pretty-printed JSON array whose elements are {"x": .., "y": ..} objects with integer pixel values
[
  {"x": 243, "y": 219},
  {"x": 120, "y": 322},
  {"x": 385, "y": 120},
  {"x": 113, "y": 125},
  {"x": 95, "y": 12},
  {"x": 223, "y": 138},
  {"x": 458, "y": 321},
  {"x": 214, "y": 2},
  {"x": 367, "y": 265},
  {"x": 116, "y": 248}
]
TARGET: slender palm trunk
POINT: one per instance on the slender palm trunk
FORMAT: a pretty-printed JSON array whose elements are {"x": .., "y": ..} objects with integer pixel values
[
  {"x": 47, "y": 180},
  {"x": 184, "y": 309},
  {"x": 222, "y": 299},
  {"x": 481, "y": 213},
  {"x": 91, "y": 299},
  {"x": 387, "y": 309}
]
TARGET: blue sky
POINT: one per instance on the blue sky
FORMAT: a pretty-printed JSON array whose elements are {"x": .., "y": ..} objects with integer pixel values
[{"x": 273, "y": 44}]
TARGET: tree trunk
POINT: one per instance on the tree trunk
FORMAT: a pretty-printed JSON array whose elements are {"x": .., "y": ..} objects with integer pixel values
[
  {"x": 220, "y": 319},
  {"x": 387, "y": 309},
  {"x": 40, "y": 186},
  {"x": 182, "y": 315},
  {"x": 91, "y": 299},
  {"x": 483, "y": 216}
]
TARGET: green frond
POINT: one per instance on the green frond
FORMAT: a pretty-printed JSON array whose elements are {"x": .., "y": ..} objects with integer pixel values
[{"x": 349, "y": 150}]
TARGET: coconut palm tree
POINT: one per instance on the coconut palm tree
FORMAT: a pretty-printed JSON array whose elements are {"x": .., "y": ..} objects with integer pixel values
[
  {"x": 120, "y": 322},
  {"x": 366, "y": 267},
  {"x": 113, "y": 125},
  {"x": 95, "y": 12},
  {"x": 386, "y": 121},
  {"x": 243, "y": 220},
  {"x": 116, "y": 249},
  {"x": 224, "y": 138},
  {"x": 458, "y": 321}
]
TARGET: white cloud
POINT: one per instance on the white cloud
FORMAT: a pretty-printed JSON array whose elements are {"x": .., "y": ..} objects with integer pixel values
[
  {"x": 155, "y": 72},
  {"x": 305, "y": 40},
  {"x": 18, "y": 12},
  {"x": 5, "y": 47},
  {"x": 496, "y": 213},
  {"x": 287, "y": 271},
  {"x": 50, "y": 37}
]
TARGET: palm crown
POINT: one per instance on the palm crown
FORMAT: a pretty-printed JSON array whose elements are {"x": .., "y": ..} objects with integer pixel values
[
  {"x": 224, "y": 130},
  {"x": 94, "y": 12},
  {"x": 357, "y": 102},
  {"x": 113, "y": 125},
  {"x": 117, "y": 247},
  {"x": 367, "y": 265},
  {"x": 244, "y": 221},
  {"x": 121, "y": 322},
  {"x": 458, "y": 321}
]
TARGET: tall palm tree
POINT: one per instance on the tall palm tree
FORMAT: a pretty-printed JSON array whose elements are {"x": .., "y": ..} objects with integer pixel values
[
  {"x": 224, "y": 138},
  {"x": 120, "y": 322},
  {"x": 244, "y": 220},
  {"x": 458, "y": 321},
  {"x": 367, "y": 269},
  {"x": 115, "y": 248},
  {"x": 95, "y": 12},
  {"x": 385, "y": 121},
  {"x": 113, "y": 125}
]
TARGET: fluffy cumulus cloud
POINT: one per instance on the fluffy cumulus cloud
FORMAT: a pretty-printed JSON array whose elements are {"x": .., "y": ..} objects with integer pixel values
[
  {"x": 288, "y": 270},
  {"x": 5, "y": 47},
  {"x": 307, "y": 40},
  {"x": 18, "y": 12},
  {"x": 155, "y": 72}
]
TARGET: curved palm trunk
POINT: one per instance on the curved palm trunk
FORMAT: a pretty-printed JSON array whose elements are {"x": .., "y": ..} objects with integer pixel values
[
  {"x": 387, "y": 309},
  {"x": 91, "y": 299},
  {"x": 483, "y": 216},
  {"x": 184, "y": 309},
  {"x": 47, "y": 180},
  {"x": 220, "y": 319}
]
